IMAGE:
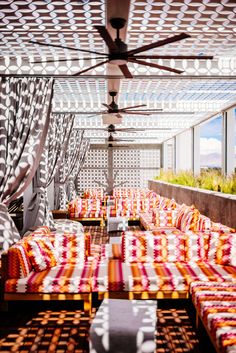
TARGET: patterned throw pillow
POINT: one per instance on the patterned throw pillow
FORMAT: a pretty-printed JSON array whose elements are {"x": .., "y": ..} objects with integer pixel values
[
  {"x": 190, "y": 219},
  {"x": 203, "y": 223},
  {"x": 146, "y": 246},
  {"x": 41, "y": 253},
  {"x": 18, "y": 264},
  {"x": 180, "y": 214}
]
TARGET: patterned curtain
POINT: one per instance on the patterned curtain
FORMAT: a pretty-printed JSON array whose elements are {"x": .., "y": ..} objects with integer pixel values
[
  {"x": 24, "y": 119},
  {"x": 38, "y": 212},
  {"x": 72, "y": 183},
  {"x": 67, "y": 166}
]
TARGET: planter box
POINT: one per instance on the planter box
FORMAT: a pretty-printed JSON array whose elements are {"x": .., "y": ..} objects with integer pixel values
[{"x": 217, "y": 206}]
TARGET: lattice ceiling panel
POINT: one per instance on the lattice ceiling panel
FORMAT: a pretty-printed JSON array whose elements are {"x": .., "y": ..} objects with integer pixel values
[
  {"x": 85, "y": 95},
  {"x": 210, "y": 24}
]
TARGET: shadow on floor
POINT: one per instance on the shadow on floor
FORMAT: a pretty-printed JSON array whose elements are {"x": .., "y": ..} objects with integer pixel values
[{"x": 62, "y": 327}]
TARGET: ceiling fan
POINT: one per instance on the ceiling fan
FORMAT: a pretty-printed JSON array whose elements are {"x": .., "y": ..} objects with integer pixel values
[
  {"x": 113, "y": 108},
  {"x": 112, "y": 139},
  {"x": 120, "y": 55},
  {"x": 112, "y": 129}
]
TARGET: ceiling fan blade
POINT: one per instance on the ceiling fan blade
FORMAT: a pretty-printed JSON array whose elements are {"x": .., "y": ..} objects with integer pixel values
[
  {"x": 134, "y": 106},
  {"x": 106, "y": 37},
  {"x": 106, "y": 105},
  {"x": 70, "y": 48},
  {"x": 116, "y": 146},
  {"x": 61, "y": 60},
  {"x": 159, "y": 43},
  {"x": 120, "y": 140},
  {"x": 125, "y": 70},
  {"x": 128, "y": 130},
  {"x": 200, "y": 57},
  {"x": 91, "y": 116},
  {"x": 90, "y": 68},
  {"x": 137, "y": 113},
  {"x": 147, "y": 110},
  {"x": 160, "y": 67}
]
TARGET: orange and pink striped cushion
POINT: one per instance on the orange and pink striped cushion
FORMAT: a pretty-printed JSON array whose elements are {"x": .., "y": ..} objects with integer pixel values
[
  {"x": 18, "y": 263},
  {"x": 41, "y": 253}
]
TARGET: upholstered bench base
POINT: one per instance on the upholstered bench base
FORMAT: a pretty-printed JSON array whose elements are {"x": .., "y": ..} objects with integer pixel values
[{"x": 215, "y": 305}]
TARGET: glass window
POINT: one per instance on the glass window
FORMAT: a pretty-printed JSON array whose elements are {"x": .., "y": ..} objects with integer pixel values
[{"x": 211, "y": 144}]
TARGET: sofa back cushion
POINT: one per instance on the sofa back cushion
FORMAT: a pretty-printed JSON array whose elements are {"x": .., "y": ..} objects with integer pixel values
[
  {"x": 222, "y": 248},
  {"x": 145, "y": 246},
  {"x": 42, "y": 230},
  {"x": 83, "y": 206},
  {"x": 71, "y": 247},
  {"x": 218, "y": 227},
  {"x": 164, "y": 218},
  {"x": 94, "y": 193},
  {"x": 18, "y": 262},
  {"x": 196, "y": 244},
  {"x": 41, "y": 253}
]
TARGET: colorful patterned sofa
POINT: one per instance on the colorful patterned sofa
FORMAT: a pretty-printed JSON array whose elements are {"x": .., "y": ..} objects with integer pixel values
[
  {"x": 180, "y": 217},
  {"x": 49, "y": 265},
  {"x": 87, "y": 209},
  {"x": 94, "y": 193},
  {"x": 162, "y": 264}
]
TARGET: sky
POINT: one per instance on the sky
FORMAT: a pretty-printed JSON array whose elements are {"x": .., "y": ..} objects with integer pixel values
[{"x": 210, "y": 143}]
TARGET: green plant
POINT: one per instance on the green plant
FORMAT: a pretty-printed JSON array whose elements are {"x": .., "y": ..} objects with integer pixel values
[{"x": 208, "y": 179}]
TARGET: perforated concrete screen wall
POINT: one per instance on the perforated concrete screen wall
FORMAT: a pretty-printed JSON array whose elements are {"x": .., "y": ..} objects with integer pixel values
[{"x": 130, "y": 167}]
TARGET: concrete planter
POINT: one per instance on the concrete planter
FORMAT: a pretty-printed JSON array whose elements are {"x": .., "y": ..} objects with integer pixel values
[{"x": 217, "y": 206}]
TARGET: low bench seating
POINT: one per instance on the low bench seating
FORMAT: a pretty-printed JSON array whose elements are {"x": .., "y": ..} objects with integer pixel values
[
  {"x": 87, "y": 210},
  {"x": 215, "y": 305},
  {"x": 49, "y": 265}
]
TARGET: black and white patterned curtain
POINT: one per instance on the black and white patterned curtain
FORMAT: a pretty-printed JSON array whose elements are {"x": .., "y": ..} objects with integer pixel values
[
  {"x": 71, "y": 189},
  {"x": 38, "y": 212},
  {"x": 24, "y": 119},
  {"x": 67, "y": 166}
]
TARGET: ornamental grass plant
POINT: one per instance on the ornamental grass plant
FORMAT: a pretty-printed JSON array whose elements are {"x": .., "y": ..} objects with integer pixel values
[{"x": 209, "y": 179}]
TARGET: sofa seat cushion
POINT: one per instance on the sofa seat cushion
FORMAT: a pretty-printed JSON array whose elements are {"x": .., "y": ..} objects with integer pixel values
[
  {"x": 89, "y": 214},
  {"x": 206, "y": 272},
  {"x": 115, "y": 275},
  {"x": 222, "y": 327},
  {"x": 65, "y": 278},
  {"x": 202, "y": 292},
  {"x": 68, "y": 226}
]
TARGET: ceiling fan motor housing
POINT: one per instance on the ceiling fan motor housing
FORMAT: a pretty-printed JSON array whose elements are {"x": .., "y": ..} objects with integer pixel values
[{"x": 119, "y": 57}]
